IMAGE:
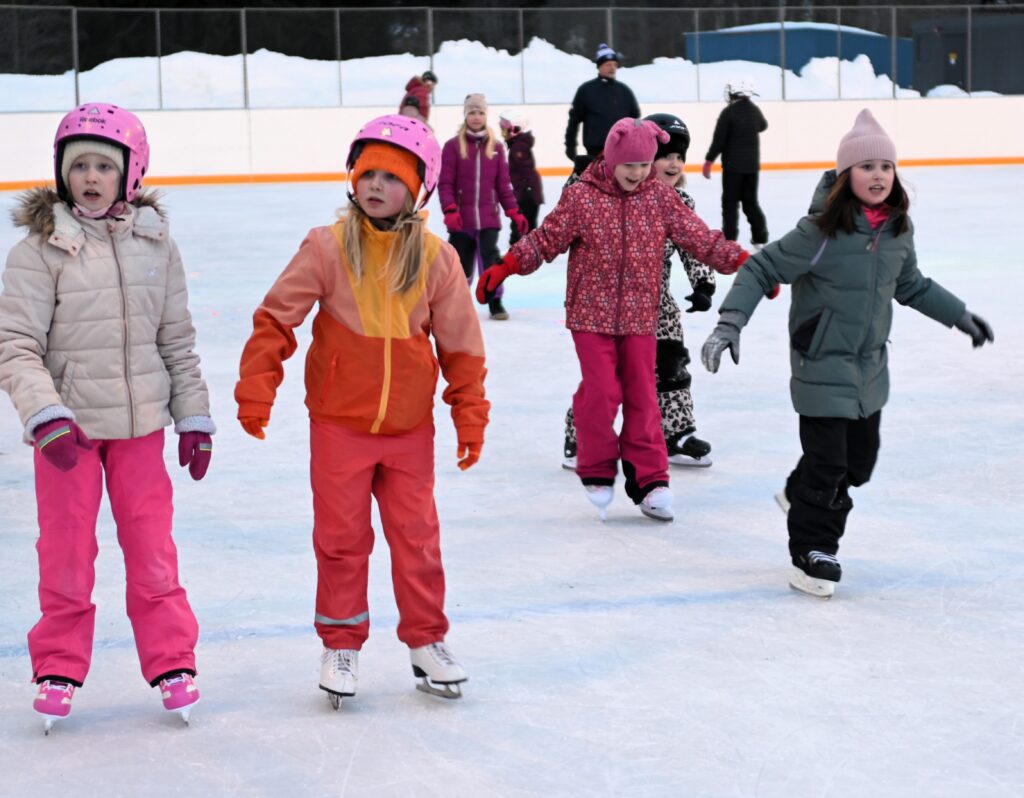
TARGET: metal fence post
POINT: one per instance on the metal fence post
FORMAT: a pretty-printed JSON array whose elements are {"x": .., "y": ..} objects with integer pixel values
[
  {"x": 337, "y": 51},
  {"x": 609, "y": 27},
  {"x": 892, "y": 57},
  {"x": 245, "y": 65},
  {"x": 76, "y": 63},
  {"x": 839, "y": 53},
  {"x": 522, "y": 60},
  {"x": 970, "y": 58},
  {"x": 782, "y": 48},
  {"x": 696, "y": 39},
  {"x": 430, "y": 37},
  {"x": 159, "y": 66}
]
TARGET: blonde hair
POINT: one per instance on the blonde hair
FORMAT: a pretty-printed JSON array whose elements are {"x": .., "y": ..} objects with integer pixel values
[
  {"x": 405, "y": 253},
  {"x": 489, "y": 145}
]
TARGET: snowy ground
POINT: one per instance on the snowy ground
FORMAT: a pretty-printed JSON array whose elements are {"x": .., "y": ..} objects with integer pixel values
[{"x": 624, "y": 659}]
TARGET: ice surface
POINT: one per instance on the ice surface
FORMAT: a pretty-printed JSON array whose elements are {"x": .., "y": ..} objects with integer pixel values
[{"x": 629, "y": 658}]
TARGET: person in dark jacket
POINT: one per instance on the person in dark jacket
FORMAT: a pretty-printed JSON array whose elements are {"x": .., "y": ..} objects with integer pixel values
[
  {"x": 737, "y": 139},
  {"x": 522, "y": 170},
  {"x": 846, "y": 261},
  {"x": 598, "y": 104}
]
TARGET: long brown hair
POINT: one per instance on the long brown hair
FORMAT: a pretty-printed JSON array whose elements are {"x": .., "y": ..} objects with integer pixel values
[
  {"x": 841, "y": 207},
  {"x": 405, "y": 253}
]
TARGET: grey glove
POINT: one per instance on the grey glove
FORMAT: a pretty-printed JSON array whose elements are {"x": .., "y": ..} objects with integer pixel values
[
  {"x": 976, "y": 327},
  {"x": 726, "y": 335}
]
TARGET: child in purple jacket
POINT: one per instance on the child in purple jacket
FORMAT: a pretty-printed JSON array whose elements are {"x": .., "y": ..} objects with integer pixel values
[
  {"x": 474, "y": 182},
  {"x": 522, "y": 169}
]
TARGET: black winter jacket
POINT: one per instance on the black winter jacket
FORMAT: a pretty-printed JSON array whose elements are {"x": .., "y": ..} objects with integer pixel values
[
  {"x": 737, "y": 137},
  {"x": 598, "y": 104}
]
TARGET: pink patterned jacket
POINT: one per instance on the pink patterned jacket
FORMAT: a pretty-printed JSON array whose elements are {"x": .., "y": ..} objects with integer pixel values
[{"x": 616, "y": 243}]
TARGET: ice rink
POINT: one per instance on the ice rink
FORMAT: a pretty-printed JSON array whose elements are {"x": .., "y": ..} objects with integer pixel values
[{"x": 625, "y": 659}]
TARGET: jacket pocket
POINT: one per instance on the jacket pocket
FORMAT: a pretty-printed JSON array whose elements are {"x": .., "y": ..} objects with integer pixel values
[
  {"x": 65, "y": 381},
  {"x": 808, "y": 337}
]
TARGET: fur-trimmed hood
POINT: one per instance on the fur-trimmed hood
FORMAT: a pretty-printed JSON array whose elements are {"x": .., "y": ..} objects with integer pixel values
[{"x": 35, "y": 209}]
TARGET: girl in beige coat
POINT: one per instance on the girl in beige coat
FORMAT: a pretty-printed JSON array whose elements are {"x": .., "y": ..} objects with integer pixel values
[{"x": 97, "y": 354}]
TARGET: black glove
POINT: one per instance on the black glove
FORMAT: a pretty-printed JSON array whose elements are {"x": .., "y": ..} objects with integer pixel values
[
  {"x": 700, "y": 299},
  {"x": 976, "y": 327},
  {"x": 726, "y": 335}
]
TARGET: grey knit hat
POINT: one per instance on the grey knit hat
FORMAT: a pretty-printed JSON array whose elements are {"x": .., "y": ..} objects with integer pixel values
[{"x": 866, "y": 141}]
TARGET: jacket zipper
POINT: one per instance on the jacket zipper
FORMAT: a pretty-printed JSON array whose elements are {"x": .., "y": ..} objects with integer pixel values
[
  {"x": 126, "y": 348},
  {"x": 622, "y": 264},
  {"x": 385, "y": 388},
  {"x": 476, "y": 188},
  {"x": 873, "y": 249}
]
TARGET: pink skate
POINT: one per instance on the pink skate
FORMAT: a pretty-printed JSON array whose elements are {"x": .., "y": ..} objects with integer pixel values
[
  {"x": 53, "y": 701},
  {"x": 180, "y": 694}
]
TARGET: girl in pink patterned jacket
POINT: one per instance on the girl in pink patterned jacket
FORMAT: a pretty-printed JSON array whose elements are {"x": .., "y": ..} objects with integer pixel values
[{"x": 614, "y": 223}]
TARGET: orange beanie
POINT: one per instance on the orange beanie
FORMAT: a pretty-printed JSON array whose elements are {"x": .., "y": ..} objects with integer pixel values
[{"x": 388, "y": 158}]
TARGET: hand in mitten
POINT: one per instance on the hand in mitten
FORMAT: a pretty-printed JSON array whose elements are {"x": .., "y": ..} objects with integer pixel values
[
  {"x": 706, "y": 170},
  {"x": 522, "y": 226},
  {"x": 726, "y": 335},
  {"x": 700, "y": 299},
  {"x": 774, "y": 291},
  {"x": 254, "y": 425},
  {"x": 487, "y": 285},
  {"x": 195, "y": 450},
  {"x": 468, "y": 454},
  {"x": 453, "y": 220},
  {"x": 976, "y": 327},
  {"x": 59, "y": 441}
]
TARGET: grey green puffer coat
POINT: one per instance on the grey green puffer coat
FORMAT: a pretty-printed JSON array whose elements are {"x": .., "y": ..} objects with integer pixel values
[
  {"x": 841, "y": 311},
  {"x": 94, "y": 323}
]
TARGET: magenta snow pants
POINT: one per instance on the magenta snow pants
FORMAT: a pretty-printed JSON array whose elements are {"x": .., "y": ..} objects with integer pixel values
[
  {"x": 619, "y": 370},
  {"x": 60, "y": 644}
]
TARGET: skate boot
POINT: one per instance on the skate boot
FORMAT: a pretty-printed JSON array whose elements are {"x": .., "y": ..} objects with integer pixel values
[
  {"x": 498, "y": 312},
  {"x": 816, "y": 574},
  {"x": 569, "y": 455},
  {"x": 686, "y": 450},
  {"x": 437, "y": 669},
  {"x": 600, "y": 496},
  {"x": 339, "y": 673},
  {"x": 53, "y": 701},
  {"x": 180, "y": 694},
  {"x": 658, "y": 504}
]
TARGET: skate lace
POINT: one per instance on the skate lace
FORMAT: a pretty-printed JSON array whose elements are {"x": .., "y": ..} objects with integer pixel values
[
  {"x": 342, "y": 660},
  {"x": 57, "y": 687},
  {"x": 816, "y": 557},
  {"x": 441, "y": 653}
]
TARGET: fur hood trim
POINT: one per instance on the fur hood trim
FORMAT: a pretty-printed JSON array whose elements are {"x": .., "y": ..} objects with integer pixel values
[{"x": 35, "y": 208}]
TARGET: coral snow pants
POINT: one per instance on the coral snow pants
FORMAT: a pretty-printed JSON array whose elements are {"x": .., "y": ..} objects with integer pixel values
[
  {"x": 619, "y": 370},
  {"x": 60, "y": 644},
  {"x": 347, "y": 467}
]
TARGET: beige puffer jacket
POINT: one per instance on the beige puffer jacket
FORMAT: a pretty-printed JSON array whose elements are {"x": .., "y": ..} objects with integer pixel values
[{"x": 94, "y": 320}]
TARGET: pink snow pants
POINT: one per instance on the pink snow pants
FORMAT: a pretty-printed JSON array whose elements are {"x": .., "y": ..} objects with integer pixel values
[
  {"x": 60, "y": 644},
  {"x": 347, "y": 468},
  {"x": 618, "y": 369}
]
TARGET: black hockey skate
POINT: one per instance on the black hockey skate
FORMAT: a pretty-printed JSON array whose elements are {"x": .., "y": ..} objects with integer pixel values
[
  {"x": 816, "y": 574},
  {"x": 686, "y": 450},
  {"x": 569, "y": 455}
]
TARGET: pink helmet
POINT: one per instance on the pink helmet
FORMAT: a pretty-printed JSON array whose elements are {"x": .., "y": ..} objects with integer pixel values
[
  {"x": 105, "y": 122},
  {"x": 409, "y": 134}
]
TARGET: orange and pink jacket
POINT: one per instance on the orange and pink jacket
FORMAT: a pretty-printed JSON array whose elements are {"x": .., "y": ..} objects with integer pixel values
[{"x": 370, "y": 366}]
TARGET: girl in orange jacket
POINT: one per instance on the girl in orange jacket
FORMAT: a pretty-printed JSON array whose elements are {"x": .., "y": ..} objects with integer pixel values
[{"x": 384, "y": 284}]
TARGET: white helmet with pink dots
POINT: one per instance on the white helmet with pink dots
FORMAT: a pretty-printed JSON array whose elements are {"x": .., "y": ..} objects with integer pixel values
[{"x": 106, "y": 123}]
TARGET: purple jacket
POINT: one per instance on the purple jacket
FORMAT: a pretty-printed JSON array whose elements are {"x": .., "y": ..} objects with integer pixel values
[
  {"x": 475, "y": 184},
  {"x": 523, "y": 169}
]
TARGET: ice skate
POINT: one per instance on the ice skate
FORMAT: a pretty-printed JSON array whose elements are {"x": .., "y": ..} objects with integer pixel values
[
  {"x": 569, "y": 455},
  {"x": 600, "y": 496},
  {"x": 180, "y": 694},
  {"x": 658, "y": 504},
  {"x": 686, "y": 450},
  {"x": 53, "y": 701},
  {"x": 816, "y": 574},
  {"x": 437, "y": 669},
  {"x": 339, "y": 674},
  {"x": 497, "y": 310},
  {"x": 782, "y": 501}
]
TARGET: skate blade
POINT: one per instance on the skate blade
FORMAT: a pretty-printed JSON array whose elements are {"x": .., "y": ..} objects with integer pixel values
[
  {"x": 689, "y": 462},
  {"x": 658, "y": 515},
  {"x": 440, "y": 689},
  {"x": 48, "y": 724},
  {"x": 335, "y": 697},
  {"x": 569, "y": 464},
  {"x": 819, "y": 588},
  {"x": 782, "y": 501}
]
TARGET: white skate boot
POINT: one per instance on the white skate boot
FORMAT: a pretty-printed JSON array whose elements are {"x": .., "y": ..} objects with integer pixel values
[
  {"x": 600, "y": 496},
  {"x": 658, "y": 504},
  {"x": 437, "y": 669},
  {"x": 339, "y": 673}
]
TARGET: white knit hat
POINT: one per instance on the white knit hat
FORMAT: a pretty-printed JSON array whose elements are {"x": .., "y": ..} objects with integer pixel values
[
  {"x": 474, "y": 102},
  {"x": 866, "y": 141},
  {"x": 77, "y": 147}
]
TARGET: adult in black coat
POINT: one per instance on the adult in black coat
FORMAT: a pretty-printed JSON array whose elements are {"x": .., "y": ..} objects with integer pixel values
[
  {"x": 598, "y": 104},
  {"x": 737, "y": 139}
]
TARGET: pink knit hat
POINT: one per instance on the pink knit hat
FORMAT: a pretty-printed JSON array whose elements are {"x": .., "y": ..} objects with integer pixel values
[
  {"x": 865, "y": 142},
  {"x": 632, "y": 141}
]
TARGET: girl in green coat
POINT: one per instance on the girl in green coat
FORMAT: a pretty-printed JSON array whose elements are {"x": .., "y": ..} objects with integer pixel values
[{"x": 847, "y": 260}]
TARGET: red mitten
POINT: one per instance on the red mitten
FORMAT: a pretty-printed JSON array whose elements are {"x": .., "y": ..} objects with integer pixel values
[
  {"x": 774, "y": 292},
  {"x": 468, "y": 454},
  {"x": 59, "y": 441},
  {"x": 195, "y": 450},
  {"x": 706, "y": 170},
  {"x": 519, "y": 221},
  {"x": 453, "y": 219},
  {"x": 494, "y": 276}
]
